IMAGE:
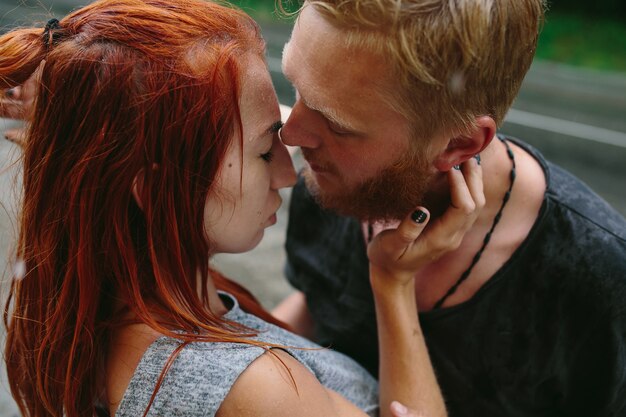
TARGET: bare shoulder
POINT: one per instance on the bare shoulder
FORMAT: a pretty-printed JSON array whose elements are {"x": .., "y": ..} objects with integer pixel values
[
  {"x": 125, "y": 350},
  {"x": 276, "y": 385}
]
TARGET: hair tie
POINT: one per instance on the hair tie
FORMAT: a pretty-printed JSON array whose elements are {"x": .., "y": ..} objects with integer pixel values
[{"x": 50, "y": 37}]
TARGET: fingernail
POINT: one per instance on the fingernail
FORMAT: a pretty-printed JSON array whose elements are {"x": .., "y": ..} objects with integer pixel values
[
  {"x": 418, "y": 216},
  {"x": 399, "y": 408},
  {"x": 457, "y": 167},
  {"x": 477, "y": 158}
]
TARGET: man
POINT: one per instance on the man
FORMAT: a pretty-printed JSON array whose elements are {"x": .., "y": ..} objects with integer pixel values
[{"x": 528, "y": 316}]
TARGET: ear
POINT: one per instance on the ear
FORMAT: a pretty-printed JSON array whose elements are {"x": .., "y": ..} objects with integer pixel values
[{"x": 463, "y": 147}]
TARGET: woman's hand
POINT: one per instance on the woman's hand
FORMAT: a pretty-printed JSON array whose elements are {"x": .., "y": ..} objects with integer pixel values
[
  {"x": 17, "y": 103},
  {"x": 397, "y": 254},
  {"x": 399, "y": 410}
]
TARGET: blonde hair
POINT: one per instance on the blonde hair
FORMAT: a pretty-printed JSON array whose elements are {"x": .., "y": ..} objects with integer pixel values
[{"x": 453, "y": 60}]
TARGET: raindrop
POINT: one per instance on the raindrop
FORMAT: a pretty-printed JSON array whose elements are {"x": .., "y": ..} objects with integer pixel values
[
  {"x": 19, "y": 269},
  {"x": 456, "y": 83}
]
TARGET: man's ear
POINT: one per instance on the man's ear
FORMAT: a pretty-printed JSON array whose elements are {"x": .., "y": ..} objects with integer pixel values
[{"x": 463, "y": 147}]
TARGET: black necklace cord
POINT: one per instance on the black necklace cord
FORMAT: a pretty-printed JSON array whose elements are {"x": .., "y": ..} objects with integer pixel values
[{"x": 487, "y": 238}]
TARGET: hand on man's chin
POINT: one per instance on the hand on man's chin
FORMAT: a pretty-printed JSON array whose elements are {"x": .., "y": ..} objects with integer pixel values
[{"x": 437, "y": 198}]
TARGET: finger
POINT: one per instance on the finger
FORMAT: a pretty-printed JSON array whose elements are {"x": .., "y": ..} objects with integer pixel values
[
  {"x": 17, "y": 136},
  {"x": 29, "y": 88},
  {"x": 447, "y": 232},
  {"x": 399, "y": 410},
  {"x": 460, "y": 195},
  {"x": 412, "y": 226},
  {"x": 393, "y": 243},
  {"x": 12, "y": 109},
  {"x": 473, "y": 173}
]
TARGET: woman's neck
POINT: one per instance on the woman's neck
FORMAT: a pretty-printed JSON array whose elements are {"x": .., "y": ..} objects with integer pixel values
[{"x": 216, "y": 305}]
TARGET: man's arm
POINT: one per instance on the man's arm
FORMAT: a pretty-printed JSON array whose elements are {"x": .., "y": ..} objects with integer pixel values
[{"x": 294, "y": 312}]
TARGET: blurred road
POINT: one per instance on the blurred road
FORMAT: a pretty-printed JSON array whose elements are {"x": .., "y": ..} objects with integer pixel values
[{"x": 576, "y": 117}]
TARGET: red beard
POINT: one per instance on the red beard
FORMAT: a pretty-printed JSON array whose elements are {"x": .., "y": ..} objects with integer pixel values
[{"x": 390, "y": 195}]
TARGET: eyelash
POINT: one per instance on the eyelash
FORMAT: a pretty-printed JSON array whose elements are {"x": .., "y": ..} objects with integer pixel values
[
  {"x": 334, "y": 130},
  {"x": 269, "y": 155}
]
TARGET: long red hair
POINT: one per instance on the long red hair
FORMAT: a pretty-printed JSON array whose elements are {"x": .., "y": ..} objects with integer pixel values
[{"x": 129, "y": 89}]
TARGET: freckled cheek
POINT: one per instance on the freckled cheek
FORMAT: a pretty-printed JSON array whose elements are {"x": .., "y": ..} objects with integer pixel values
[{"x": 257, "y": 200}]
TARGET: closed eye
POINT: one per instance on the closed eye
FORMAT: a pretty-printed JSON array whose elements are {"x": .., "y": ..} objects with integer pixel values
[
  {"x": 336, "y": 129},
  {"x": 267, "y": 156},
  {"x": 273, "y": 130}
]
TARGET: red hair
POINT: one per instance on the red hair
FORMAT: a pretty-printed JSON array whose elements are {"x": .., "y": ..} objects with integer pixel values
[{"x": 129, "y": 88}]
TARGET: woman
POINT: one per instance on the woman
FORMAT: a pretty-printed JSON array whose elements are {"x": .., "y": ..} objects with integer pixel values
[{"x": 153, "y": 145}]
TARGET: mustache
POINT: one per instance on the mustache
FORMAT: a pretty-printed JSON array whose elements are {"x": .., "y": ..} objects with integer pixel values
[{"x": 317, "y": 162}]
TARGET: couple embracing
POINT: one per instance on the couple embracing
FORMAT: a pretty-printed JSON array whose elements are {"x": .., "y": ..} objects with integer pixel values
[{"x": 452, "y": 270}]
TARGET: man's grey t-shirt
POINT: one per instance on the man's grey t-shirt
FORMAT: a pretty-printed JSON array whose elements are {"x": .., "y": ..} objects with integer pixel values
[{"x": 203, "y": 373}]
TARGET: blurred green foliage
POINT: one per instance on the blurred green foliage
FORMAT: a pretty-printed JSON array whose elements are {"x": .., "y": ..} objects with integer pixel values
[
  {"x": 268, "y": 9},
  {"x": 615, "y": 9},
  {"x": 593, "y": 42},
  {"x": 583, "y": 33}
]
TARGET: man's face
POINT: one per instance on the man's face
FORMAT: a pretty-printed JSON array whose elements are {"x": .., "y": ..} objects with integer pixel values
[{"x": 357, "y": 147}]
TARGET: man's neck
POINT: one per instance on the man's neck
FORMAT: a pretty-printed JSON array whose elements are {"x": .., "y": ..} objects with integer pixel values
[
  {"x": 496, "y": 167},
  {"x": 518, "y": 216}
]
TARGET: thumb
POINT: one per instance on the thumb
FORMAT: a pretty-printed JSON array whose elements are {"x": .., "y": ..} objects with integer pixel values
[
  {"x": 399, "y": 410},
  {"x": 413, "y": 225},
  {"x": 410, "y": 228},
  {"x": 390, "y": 245}
]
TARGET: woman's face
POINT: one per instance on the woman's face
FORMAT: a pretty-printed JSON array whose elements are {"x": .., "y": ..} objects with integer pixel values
[{"x": 246, "y": 197}]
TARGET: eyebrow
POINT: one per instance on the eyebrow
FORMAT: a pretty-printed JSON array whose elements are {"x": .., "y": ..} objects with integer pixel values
[
  {"x": 329, "y": 114},
  {"x": 326, "y": 112}
]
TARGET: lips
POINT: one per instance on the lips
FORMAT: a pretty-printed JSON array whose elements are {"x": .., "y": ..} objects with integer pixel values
[
  {"x": 272, "y": 219},
  {"x": 316, "y": 166}
]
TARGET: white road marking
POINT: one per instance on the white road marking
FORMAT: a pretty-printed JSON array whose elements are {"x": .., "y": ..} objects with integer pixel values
[{"x": 566, "y": 127}]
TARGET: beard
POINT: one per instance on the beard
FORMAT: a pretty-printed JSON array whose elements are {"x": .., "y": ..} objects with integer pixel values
[{"x": 390, "y": 195}]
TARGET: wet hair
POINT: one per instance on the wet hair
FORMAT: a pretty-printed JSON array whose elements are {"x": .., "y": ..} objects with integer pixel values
[
  {"x": 131, "y": 91},
  {"x": 452, "y": 61}
]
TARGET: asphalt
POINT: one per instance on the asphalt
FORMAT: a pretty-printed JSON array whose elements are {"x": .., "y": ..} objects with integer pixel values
[{"x": 576, "y": 117}]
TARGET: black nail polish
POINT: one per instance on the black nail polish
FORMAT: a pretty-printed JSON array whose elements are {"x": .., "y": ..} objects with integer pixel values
[
  {"x": 418, "y": 216},
  {"x": 477, "y": 158},
  {"x": 457, "y": 167}
]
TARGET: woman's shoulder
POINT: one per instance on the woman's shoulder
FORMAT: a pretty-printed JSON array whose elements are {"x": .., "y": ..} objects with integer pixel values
[
  {"x": 276, "y": 384},
  {"x": 126, "y": 349},
  {"x": 202, "y": 374},
  {"x": 198, "y": 376}
]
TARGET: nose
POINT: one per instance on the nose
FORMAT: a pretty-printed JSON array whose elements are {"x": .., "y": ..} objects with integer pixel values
[
  {"x": 302, "y": 128},
  {"x": 283, "y": 172}
]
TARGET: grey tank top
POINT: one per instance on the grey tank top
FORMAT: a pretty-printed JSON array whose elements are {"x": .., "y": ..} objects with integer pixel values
[{"x": 203, "y": 373}]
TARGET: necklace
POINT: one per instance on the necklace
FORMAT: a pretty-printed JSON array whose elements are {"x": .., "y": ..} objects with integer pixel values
[
  {"x": 487, "y": 238},
  {"x": 496, "y": 220}
]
